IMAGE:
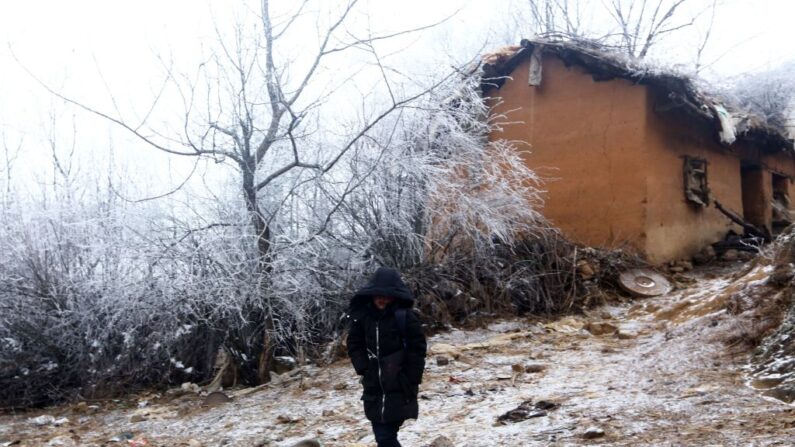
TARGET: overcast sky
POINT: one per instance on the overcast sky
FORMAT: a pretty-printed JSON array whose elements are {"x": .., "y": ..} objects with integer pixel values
[{"x": 91, "y": 48}]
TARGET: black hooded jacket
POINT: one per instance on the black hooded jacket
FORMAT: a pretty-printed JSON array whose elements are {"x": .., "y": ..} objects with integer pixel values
[{"x": 391, "y": 373}]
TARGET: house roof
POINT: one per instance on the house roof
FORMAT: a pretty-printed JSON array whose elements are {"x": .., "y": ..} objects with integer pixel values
[{"x": 728, "y": 122}]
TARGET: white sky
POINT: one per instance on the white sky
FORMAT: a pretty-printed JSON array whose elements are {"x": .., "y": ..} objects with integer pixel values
[{"x": 68, "y": 44}]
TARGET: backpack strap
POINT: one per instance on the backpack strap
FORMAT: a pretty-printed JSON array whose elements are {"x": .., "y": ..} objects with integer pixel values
[{"x": 400, "y": 315}]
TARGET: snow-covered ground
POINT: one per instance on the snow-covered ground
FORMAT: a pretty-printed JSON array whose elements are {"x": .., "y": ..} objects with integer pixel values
[{"x": 664, "y": 378}]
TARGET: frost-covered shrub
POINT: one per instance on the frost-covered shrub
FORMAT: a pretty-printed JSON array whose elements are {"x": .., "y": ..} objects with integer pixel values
[
  {"x": 96, "y": 298},
  {"x": 66, "y": 285}
]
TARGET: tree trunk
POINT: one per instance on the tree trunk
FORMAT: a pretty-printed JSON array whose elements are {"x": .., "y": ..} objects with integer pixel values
[{"x": 262, "y": 237}]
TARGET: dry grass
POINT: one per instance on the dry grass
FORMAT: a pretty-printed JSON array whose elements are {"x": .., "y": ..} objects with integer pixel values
[
  {"x": 760, "y": 301},
  {"x": 541, "y": 275}
]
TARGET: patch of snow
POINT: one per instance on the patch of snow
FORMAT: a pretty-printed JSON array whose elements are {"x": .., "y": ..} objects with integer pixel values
[
  {"x": 182, "y": 330},
  {"x": 50, "y": 365},
  {"x": 44, "y": 419},
  {"x": 11, "y": 344},
  {"x": 177, "y": 364}
]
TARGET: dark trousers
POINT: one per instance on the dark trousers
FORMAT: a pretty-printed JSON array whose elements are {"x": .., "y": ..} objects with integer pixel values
[{"x": 386, "y": 433}]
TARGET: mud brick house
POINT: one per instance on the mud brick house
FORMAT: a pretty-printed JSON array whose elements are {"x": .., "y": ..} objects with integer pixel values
[{"x": 635, "y": 157}]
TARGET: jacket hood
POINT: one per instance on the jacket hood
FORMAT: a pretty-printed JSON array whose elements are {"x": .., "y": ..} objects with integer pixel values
[{"x": 384, "y": 282}]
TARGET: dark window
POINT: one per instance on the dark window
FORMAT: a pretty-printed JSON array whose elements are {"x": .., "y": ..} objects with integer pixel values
[
  {"x": 782, "y": 216},
  {"x": 696, "y": 187}
]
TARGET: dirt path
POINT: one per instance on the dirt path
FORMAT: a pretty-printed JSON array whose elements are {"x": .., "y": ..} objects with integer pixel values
[{"x": 663, "y": 379}]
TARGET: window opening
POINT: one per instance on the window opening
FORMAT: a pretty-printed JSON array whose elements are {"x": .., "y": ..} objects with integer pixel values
[{"x": 696, "y": 186}]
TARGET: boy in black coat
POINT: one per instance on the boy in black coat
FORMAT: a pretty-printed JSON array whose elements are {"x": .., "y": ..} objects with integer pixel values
[{"x": 387, "y": 348}]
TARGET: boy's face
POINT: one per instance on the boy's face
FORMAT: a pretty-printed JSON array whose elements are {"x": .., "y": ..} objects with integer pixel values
[{"x": 381, "y": 302}]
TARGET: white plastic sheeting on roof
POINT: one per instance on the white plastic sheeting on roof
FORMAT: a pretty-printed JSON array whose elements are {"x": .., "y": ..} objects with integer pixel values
[{"x": 728, "y": 132}]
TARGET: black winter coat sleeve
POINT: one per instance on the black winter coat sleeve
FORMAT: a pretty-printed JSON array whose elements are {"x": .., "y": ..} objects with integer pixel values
[
  {"x": 415, "y": 349},
  {"x": 357, "y": 346}
]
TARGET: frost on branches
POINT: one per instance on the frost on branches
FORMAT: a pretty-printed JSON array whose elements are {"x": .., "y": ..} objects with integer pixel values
[
  {"x": 769, "y": 95},
  {"x": 99, "y": 296}
]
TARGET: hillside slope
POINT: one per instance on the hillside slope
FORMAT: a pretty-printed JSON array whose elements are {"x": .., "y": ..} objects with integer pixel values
[{"x": 652, "y": 372}]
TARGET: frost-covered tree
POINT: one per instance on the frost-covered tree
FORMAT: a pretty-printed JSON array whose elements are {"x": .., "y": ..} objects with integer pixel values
[
  {"x": 768, "y": 94},
  {"x": 632, "y": 27},
  {"x": 259, "y": 103}
]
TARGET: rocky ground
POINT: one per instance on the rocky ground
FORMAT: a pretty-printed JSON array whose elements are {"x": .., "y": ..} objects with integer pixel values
[{"x": 648, "y": 372}]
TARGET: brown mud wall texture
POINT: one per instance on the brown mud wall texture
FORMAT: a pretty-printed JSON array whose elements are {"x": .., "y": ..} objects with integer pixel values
[
  {"x": 613, "y": 164},
  {"x": 583, "y": 140},
  {"x": 676, "y": 228}
]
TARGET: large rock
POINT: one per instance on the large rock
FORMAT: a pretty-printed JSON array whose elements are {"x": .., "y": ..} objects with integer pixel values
[
  {"x": 441, "y": 441},
  {"x": 136, "y": 418},
  {"x": 61, "y": 441},
  {"x": 534, "y": 367},
  {"x": 730, "y": 255},
  {"x": 308, "y": 443},
  {"x": 215, "y": 399},
  {"x": 288, "y": 419},
  {"x": 586, "y": 270},
  {"x": 686, "y": 265},
  {"x": 525, "y": 410},
  {"x": 565, "y": 325},
  {"x": 593, "y": 433},
  {"x": 283, "y": 364},
  {"x": 600, "y": 328},
  {"x": 42, "y": 420},
  {"x": 189, "y": 387},
  {"x": 80, "y": 408},
  {"x": 705, "y": 256},
  {"x": 445, "y": 349},
  {"x": 624, "y": 334}
]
